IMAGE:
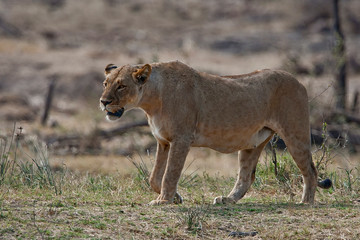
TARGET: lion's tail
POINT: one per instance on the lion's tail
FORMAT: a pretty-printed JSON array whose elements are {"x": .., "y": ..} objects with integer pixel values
[{"x": 326, "y": 184}]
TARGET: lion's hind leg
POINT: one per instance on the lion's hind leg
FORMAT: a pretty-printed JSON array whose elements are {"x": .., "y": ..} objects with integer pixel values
[
  {"x": 248, "y": 160},
  {"x": 308, "y": 170},
  {"x": 299, "y": 148}
]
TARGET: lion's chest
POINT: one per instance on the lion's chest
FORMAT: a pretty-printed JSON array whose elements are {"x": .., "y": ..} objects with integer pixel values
[
  {"x": 157, "y": 134},
  {"x": 158, "y": 129}
]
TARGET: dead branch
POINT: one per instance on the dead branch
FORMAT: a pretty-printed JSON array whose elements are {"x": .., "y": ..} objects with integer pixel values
[
  {"x": 337, "y": 132},
  {"x": 77, "y": 143},
  {"x": 348, "y": 116},
  {"x": 121, "y": 129},
  {"x": 340, "y": 57},
  {"x": 355, "y": 102},
  {"x": 48, "y": 100}
]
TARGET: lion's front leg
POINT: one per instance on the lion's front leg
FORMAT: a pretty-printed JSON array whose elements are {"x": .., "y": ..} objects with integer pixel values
[
  {"x": 157, "y": 173},
  {"x": 176, "y": 159}
]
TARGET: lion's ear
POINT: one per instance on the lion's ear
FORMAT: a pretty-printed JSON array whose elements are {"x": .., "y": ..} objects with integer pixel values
[
  {"x": 109, "y": 68},
  {"x": 142, "y": 75}
]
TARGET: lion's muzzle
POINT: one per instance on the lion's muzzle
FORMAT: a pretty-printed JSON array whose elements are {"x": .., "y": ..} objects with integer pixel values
[
  {"x": 117, "y": 114},
  {"x": 105, "y": 102}
]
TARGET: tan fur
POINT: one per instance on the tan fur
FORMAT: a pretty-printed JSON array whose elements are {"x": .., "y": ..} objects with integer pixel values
[
  {"x": 186, "y": 108},
  {"x": 240, "y": 75}
]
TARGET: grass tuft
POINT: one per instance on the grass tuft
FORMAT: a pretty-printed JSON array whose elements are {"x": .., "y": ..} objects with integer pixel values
[
  {"x": 194, "y": 217},
  {"x": 32, "y": 168},
  {"x": 37, "y": 171},
  {"x": 143, "y": 172}
]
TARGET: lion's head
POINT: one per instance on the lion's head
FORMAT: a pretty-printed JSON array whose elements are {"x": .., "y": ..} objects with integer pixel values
[{"x": 122, "y": 88}]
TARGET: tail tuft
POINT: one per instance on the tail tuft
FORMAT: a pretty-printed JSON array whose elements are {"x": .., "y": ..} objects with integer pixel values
[{"x": 326, "y": 184}]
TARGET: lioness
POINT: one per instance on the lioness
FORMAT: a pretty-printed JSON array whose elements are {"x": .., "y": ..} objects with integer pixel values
[{"x": 186, "y": 108}]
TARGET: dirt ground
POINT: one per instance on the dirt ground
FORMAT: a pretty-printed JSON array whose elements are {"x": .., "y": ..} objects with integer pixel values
[{"x": 72, "y": 41}]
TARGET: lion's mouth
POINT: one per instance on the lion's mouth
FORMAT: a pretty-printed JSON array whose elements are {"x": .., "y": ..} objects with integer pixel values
[{"x": 117, "y": 114}]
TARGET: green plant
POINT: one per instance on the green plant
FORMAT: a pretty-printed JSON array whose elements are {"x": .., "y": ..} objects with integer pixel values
[
  {"x": 194, "y": 217},
  {"x": 101, "y": 183},
  {"x": 351, "y": 178},
  {"x": 5, "y": 162},
  {"x": 32, "y": 169},
  {"x": 38, "y": 171},
  {"x": 324, "y": 154},
  {"x": 189, "y": 180},
  {"x": 143, "y": 172}
]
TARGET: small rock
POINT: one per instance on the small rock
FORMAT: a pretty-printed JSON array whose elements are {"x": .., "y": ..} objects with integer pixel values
[{"x": 243, "y": 234}]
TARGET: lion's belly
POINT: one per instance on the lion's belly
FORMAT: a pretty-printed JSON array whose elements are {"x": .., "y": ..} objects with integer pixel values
[{"x": 231, "y": 141}]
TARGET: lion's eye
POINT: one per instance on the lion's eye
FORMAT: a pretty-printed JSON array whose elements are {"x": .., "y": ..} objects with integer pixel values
[{"x": 121, "y": 87}]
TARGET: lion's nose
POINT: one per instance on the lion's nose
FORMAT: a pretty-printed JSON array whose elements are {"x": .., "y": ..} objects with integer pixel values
[{"x": 105, "y": 102}]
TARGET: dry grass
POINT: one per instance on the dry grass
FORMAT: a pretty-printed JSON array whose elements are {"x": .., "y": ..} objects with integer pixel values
[
  {"x": 199, "y": 160},
  {"x": 114, "y": 205}
]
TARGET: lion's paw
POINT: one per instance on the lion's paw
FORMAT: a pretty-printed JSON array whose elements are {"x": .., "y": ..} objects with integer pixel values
[
  {"x": 178, "y": 199},
  {"x": 223, "y": 200},
  {"x": 158, "y": 202}
]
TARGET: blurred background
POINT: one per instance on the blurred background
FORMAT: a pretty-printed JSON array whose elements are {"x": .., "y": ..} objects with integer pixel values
[{"x": 53, "y": 52}]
